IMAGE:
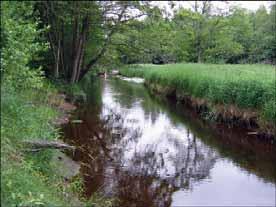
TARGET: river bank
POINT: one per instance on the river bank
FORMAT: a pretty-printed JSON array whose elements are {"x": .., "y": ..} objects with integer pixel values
[
  {"x": 32, "y": 176},
  {"x": 241, "y": 97},
  {"x": 35, "y": 166}
]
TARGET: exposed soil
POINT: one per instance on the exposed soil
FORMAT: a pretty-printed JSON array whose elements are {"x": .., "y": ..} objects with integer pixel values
[
  {"x": 63, "y": 165},
  {"x": 64, "y": 107},
  {"x": 229, "y": 115}
]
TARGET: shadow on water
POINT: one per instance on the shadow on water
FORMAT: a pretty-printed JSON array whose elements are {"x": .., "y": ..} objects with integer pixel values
[{"x": 150, "y": 152}]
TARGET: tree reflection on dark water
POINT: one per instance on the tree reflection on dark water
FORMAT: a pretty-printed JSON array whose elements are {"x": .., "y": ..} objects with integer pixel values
[{"x": 131, "y": 147}]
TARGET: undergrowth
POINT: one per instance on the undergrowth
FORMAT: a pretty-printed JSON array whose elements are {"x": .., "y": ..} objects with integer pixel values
[{"x": 27, "y": 179}]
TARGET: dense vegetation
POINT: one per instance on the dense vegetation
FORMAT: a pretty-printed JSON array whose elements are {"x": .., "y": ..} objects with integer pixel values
[
  {"x": 79, "y": 33},
  {"x": 27, "y": 113},
  {"x": 48, "y": 42},
  {"x": 86, "y": 35},
  {"x": 246, "y": 86},
  {"x": 204, "y": 33}
]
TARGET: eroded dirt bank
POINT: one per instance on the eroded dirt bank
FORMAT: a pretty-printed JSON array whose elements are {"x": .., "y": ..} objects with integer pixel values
[{"x": 229, "y": 115}]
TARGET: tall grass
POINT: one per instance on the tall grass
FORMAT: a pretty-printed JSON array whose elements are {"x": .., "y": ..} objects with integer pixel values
[
  {"x": 32, "y": 179},
  {"x": 28, "y": 179},
  {"x": 246, "y": 86}
]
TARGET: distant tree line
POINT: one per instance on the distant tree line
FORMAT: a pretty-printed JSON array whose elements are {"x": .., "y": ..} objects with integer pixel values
[
  {"x": 203, "y": 33},
  {"x": 84, "y": 35}
]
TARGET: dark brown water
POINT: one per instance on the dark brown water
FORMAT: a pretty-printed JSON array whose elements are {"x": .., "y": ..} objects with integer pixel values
[{"x": 148, "y": 152}]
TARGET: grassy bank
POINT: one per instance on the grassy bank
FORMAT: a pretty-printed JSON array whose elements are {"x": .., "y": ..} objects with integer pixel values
[
  {"x": 29, "y": 179},
  {"x": 36, "y": 178},
  {"x": 247, "y": 87}
]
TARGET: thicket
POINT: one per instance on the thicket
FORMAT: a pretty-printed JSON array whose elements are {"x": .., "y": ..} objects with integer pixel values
[{"x": 246, "y": 86}]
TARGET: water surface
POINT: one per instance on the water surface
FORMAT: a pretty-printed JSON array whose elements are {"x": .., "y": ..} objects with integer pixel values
[{"x": 150, "y": 152}]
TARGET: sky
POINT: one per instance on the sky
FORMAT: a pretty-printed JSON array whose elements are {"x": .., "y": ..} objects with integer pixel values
[{"x": 250, "y": 5}]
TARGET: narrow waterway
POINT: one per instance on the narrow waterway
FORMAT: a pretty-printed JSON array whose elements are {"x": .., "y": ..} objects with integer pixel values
[{"x": 149, "y": 152}]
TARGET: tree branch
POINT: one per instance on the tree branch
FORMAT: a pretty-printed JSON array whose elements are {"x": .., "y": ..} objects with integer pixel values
[
  {"x": 37, "y": 145},
  {"x": 104, "y": 48}
]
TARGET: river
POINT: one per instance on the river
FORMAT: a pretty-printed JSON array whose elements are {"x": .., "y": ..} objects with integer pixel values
[{"x": 149, "y": 152}]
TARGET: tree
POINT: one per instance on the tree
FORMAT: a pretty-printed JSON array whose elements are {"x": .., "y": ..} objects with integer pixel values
[
  {"x": 84, "y": 34},
  {"x": 259, "y": 42},
  {"x": 71, "y": 28},
  {"x": 19, "y": 46},
  {"x": 271, "y": 40},
  {"x": 198, "y": 28}
]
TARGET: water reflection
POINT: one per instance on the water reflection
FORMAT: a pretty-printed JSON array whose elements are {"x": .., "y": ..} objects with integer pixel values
[{"x": 134, "y": 148}]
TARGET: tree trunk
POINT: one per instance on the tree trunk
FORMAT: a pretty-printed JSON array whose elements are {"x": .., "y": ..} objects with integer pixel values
[
  {"x": 75, "y": 38},
  {"x": 199, "y": 54},
  {"x": 76, "y": 62},
  {"x": 62, "y": 62},
  {"x": 104, "y": 48},
  {"x": 94, "y": 60},
  {"x": 57, "y": 60},
  {"x": 80, "y": 63}
]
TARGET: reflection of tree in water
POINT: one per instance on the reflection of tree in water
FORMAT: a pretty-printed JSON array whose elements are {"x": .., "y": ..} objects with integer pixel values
[
  {"x": 115, "y": 163},
  {"x": 134, "y": 93},
  {"x": 139, "y": 190},
  {"x": 144, "y": 178},
  {"x": 140, "y": 179},
  {"x": 192, "y": 162}
]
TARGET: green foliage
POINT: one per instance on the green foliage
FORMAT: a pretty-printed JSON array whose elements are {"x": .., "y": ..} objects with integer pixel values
[
  {"x": 246, "y": 86},
  {"x": 19, "y": 46},
  {"x": 21, "y": 186},
  {"x": 80, "y": 34},
  {"x": 145, "y": 41},
  {"x": 74, "y": 91},
  {"x": 269, "y": 111},
  {"x": 236, "y": 36},
  {"x": 26, "y": 180},
  {"x": 77, "y": 185}
]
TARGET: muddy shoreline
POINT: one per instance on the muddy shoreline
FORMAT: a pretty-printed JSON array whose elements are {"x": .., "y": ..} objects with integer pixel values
[
  {"x": 227, "y": 115},
  {"x": 61, "y": 161}
]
